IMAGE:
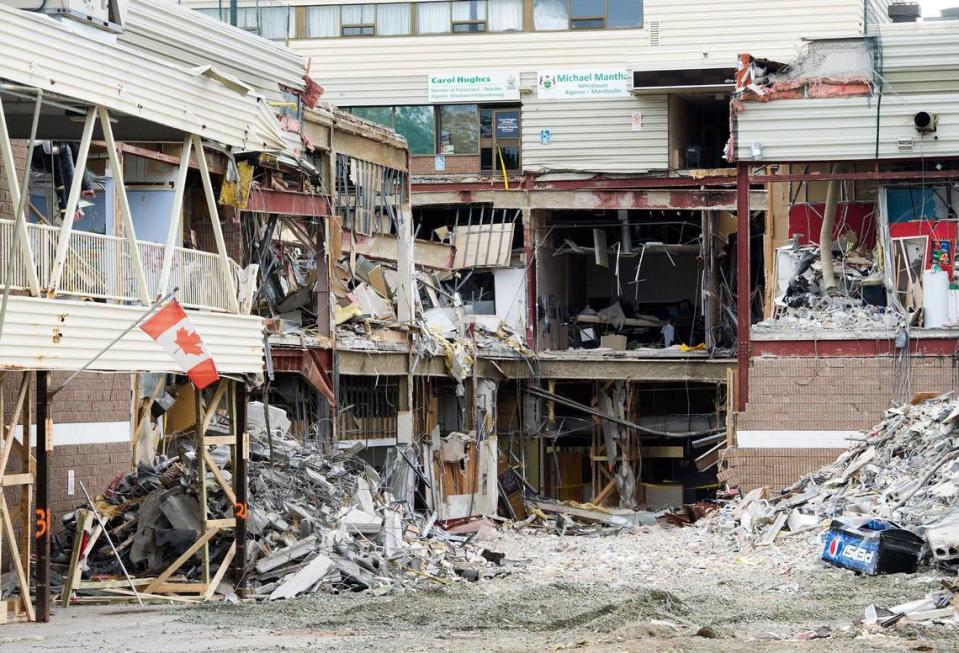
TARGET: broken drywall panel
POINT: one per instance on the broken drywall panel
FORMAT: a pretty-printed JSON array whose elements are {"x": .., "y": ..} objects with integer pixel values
[
  {"x": 487, "y": 245},
  {"x": 509, "y": 291}
]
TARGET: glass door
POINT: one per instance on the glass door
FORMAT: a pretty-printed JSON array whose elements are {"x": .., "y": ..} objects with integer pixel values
[{"x": 499, "y": 140}]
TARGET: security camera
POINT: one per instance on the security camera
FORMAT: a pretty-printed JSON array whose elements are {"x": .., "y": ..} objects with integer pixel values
[{"x": 925, "y": 122}]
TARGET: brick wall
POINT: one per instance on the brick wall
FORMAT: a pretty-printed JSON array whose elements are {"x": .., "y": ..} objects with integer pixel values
[
  {"x": 90, "y": 398},
  {"x": 836, "y": 393},
  {"x": 7, "y": 208},
  {"x": 232, "y": 235},
  {"x": 465, "y": 164}
]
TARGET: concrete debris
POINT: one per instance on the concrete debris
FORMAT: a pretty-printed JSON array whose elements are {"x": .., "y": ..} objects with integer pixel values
[
  {"x": 317, "y": 522},
  {"x": 857, "y": 301},
  {"x": 902, "y": 472}
]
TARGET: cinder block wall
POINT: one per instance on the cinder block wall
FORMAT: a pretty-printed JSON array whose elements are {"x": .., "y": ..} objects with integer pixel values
[
  {"x": 837, "y": 393},
  {"x": 89, "y": 399}
]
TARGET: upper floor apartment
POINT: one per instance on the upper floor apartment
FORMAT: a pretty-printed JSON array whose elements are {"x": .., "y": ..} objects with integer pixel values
[{"x": 657, "y": 73}]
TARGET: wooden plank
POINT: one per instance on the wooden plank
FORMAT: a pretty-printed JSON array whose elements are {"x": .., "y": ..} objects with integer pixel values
[
  {"x": 210, "y": 410},
  {"x": 112, "y": 584},
  {"x": 84, "y": 519},
  {"x": 220, "y": 573},
  {"x": 215, "y": 440},
  {"x": 8, "y": 436},
  {"x": 186, "y": 555},
  {"x": 220, "y": 524},
  {"x": 127, "y": 594},
  {"x": 180, "y": 588},
  {"x": 604, "y": 493},
  {"x": 8, "y": 480},
  {"x": 218, "y": 475},
  {"x": 15, "y": 560}
]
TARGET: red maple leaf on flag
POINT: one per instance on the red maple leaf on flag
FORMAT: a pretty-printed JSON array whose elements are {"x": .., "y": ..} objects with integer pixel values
[{"x": 189, "y": 342}]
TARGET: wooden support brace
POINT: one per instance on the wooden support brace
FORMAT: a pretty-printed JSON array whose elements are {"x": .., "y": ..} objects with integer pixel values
[
  {"x": 15, "y": 561},
  {"x": 179, "y": 562}
]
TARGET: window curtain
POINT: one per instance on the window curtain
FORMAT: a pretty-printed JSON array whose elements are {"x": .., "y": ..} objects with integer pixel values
[
  {"x": 550, "y": 14},
  {"x": 359, "y": 14},
  {"x": 433, "y": 17},
  {"x": 469, "y": 10},
  {"x": 246, "y": 18},
  {"x": 505, "y": 15},
  {"x": 393, "y": 19},
  {"x": 275, "y": 22},
  {"x": 323, "y": 21}
]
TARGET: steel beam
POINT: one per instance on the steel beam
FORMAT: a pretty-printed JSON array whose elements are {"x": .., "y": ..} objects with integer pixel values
[
  {"x": 43, "y": 515},
  {"x": 240, "y": 487},
  {"x": 743, "y": 286},
  {"x": 288, "y": 203},
  {"x": 888, "y": 175}
]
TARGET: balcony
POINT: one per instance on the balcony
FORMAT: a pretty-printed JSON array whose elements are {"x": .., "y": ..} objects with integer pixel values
[{"x": 100, "y": 267}]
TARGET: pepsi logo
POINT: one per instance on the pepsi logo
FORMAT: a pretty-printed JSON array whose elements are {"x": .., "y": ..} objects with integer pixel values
[{"x": 834, "y": 546}]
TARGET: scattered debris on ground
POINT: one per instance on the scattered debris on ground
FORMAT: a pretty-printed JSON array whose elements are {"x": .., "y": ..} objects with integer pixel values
[
  {"x": 886, "y": 505},
  {"x": 317, "y": 521}
]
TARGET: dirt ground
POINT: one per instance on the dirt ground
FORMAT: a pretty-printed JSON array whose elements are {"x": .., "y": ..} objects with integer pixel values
[{"x": 651, "y": 589}]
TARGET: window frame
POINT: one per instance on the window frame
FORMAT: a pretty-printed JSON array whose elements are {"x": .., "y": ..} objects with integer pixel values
[
  {"x": 571, "y": 18},
  {"x": 344, "y": 25},
  {"x": 484, "y": 21}
]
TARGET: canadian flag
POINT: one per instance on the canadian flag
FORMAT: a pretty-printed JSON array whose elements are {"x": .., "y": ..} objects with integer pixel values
[{"x": 172, "y": 329}]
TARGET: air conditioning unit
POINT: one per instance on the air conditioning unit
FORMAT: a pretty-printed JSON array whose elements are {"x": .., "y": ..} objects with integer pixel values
[{"x": 102, "y": 14}]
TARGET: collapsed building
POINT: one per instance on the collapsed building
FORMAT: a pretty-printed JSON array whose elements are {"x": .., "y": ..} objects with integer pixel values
[
  {"x": 859, "y": 241},
  {"x": 575, "y": 229},
  {"x": 499, "y": 257}
]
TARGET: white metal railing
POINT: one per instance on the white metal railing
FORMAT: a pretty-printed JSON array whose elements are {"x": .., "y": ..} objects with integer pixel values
[{"x": 100, "y": 267}]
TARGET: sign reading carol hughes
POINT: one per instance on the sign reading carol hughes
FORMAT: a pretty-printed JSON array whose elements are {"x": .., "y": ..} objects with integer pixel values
[
  {"x": 473, "y": 87},
  {"x": 586, "y": 83}
]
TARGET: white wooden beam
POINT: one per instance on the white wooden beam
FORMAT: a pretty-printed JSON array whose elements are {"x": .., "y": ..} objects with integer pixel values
[
  {"x": 73, "y": 199},
  {"x": 225, "y": 272},
  {"x": 128, "y": 229},
  {"x": 176, "y": 217},
  {"x": 10, "y": 168}
]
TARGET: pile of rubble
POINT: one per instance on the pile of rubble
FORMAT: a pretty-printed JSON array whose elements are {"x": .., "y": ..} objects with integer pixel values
[
  {"x": 804, "y": 304},
  {"x": 904, "y": 470},
  {"x": 317, "y": 521}
]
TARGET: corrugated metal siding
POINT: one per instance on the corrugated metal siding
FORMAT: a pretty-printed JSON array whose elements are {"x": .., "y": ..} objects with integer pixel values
[
  {"x": 371, "y": 71},
  {"x": 188, "y": 38},
  {"x": 596, "y": 135},
  {"x": 845, "y": 128},
  {"x": 877, "y": 14},
  {"x": 63, "y": 335},
  {"x": 36, "y": 51}
]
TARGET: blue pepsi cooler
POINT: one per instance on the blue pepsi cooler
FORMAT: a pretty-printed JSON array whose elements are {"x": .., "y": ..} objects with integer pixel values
[{"x": 873, "y": 547}]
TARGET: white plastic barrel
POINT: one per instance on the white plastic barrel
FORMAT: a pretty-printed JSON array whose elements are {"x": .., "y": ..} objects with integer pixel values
[{"x": 935, "y": 298}]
